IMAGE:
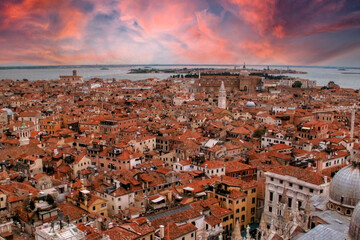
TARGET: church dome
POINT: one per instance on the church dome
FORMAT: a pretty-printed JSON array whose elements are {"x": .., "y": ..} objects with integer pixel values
[
  {"x": 250, "y": 104},
  {"x": 354, "y": 229},
  {"x": 9, "y": 111},
  {"x": 345, "y": 186}
]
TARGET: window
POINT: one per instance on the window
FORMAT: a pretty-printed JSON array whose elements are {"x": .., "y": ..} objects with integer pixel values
[
  {"x": 253, "y": 210},
  {"x": 300, "y": 187},
  {"x": 94, "y": 208},
  {"x": 281, "y": 181},
  {"x": 270, "y": 209},
  {"x": 290, "y": 184},
  {"x": 311, "y": 190},
  {"x": 272, "y": 179},
  {"x": 290, "y": 202},
  {"x": 271, "y": 197},
  {"x": 243, "y": 209},
  {"x": 253, "y": 200}
]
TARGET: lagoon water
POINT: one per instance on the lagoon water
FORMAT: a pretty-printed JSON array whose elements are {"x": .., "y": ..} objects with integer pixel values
[{"x": 346, "y": 78}]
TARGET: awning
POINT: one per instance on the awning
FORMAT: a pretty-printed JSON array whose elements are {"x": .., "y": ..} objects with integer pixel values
[
  {"x": 188, "y": 189},
  {"x": 156, "y": 200},
  {"x": 200, "y": 194}
]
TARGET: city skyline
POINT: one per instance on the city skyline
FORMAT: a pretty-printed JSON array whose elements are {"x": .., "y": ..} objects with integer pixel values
[{"x": 177, "y": 32}]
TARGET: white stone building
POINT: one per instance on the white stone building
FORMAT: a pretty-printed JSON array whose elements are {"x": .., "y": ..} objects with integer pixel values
[{"x": 295, "y": 184}]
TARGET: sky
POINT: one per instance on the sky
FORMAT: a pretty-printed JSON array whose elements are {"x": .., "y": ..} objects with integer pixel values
[{"x": 289, "y": 32}]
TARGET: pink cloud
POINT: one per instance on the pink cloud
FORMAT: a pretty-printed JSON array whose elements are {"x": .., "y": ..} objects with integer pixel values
[{"x": 177, "y": 31}]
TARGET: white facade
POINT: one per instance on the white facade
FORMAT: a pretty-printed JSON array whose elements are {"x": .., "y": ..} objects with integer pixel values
[
  {"x": 178, "y": 167},
  {"x": 134, "y": 162},
  {"x": 334, "y": 161},
  {"x": 297, "y": 192},
  {"x": 68, "y": 232},
  {"x": 269, "y": 141}
]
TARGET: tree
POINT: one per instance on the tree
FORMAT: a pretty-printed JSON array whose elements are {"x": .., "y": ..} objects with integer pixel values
[
  {"x": 32, "y": 205},
  {"x": 297, "y": 84},
  {"x": 49, "y": 199},
  {"x": 259, "y": 133}
]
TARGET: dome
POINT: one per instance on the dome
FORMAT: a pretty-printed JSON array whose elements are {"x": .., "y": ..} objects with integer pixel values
[
  {"x": 345, "y": 186},
  {"x": 244, "y": 73},
  {"x": 354, "y": 229},
  {"x": 9, "y": 111},
  {"x": 250, "y": 104}
]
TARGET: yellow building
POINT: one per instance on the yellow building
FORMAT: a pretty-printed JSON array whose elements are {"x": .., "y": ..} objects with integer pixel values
[
  {"x": 50, "y": 126},
  {"x": 3, "y": 199},
  {"x": 89, "y": 202},
  {"x": 239, "y": 197}
]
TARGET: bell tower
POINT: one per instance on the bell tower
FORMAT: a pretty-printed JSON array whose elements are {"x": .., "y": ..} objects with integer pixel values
[
  {"x": 24, "y": 135},
  {"x": 222, "y": 96}
]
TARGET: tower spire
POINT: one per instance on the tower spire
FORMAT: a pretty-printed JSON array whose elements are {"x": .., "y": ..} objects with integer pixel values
[
  {"x": 236, "y": 233},
  {"x": 222, "y": 96},
  {"x": 352, "y": 122}
]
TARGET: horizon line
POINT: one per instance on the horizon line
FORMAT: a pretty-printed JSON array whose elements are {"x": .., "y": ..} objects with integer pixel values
[{"x": 159, "y": 64}]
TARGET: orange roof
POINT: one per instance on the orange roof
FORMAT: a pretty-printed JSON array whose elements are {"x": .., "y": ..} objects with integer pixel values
[{"x": 302, "y": 174}]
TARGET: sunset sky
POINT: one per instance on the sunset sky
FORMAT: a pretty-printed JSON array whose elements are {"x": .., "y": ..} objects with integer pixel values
[{"x": 291, "y": 32}]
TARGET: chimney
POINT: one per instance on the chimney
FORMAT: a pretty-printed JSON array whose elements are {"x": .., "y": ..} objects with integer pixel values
[
  {"x": 325, "y": 179},
  {"x": 162, "y": 231}
]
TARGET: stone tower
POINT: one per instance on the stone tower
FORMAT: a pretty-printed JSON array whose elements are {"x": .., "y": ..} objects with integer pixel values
[
  {"x": 222, "y": 96},
  {"x": 352, "y": 122}
]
